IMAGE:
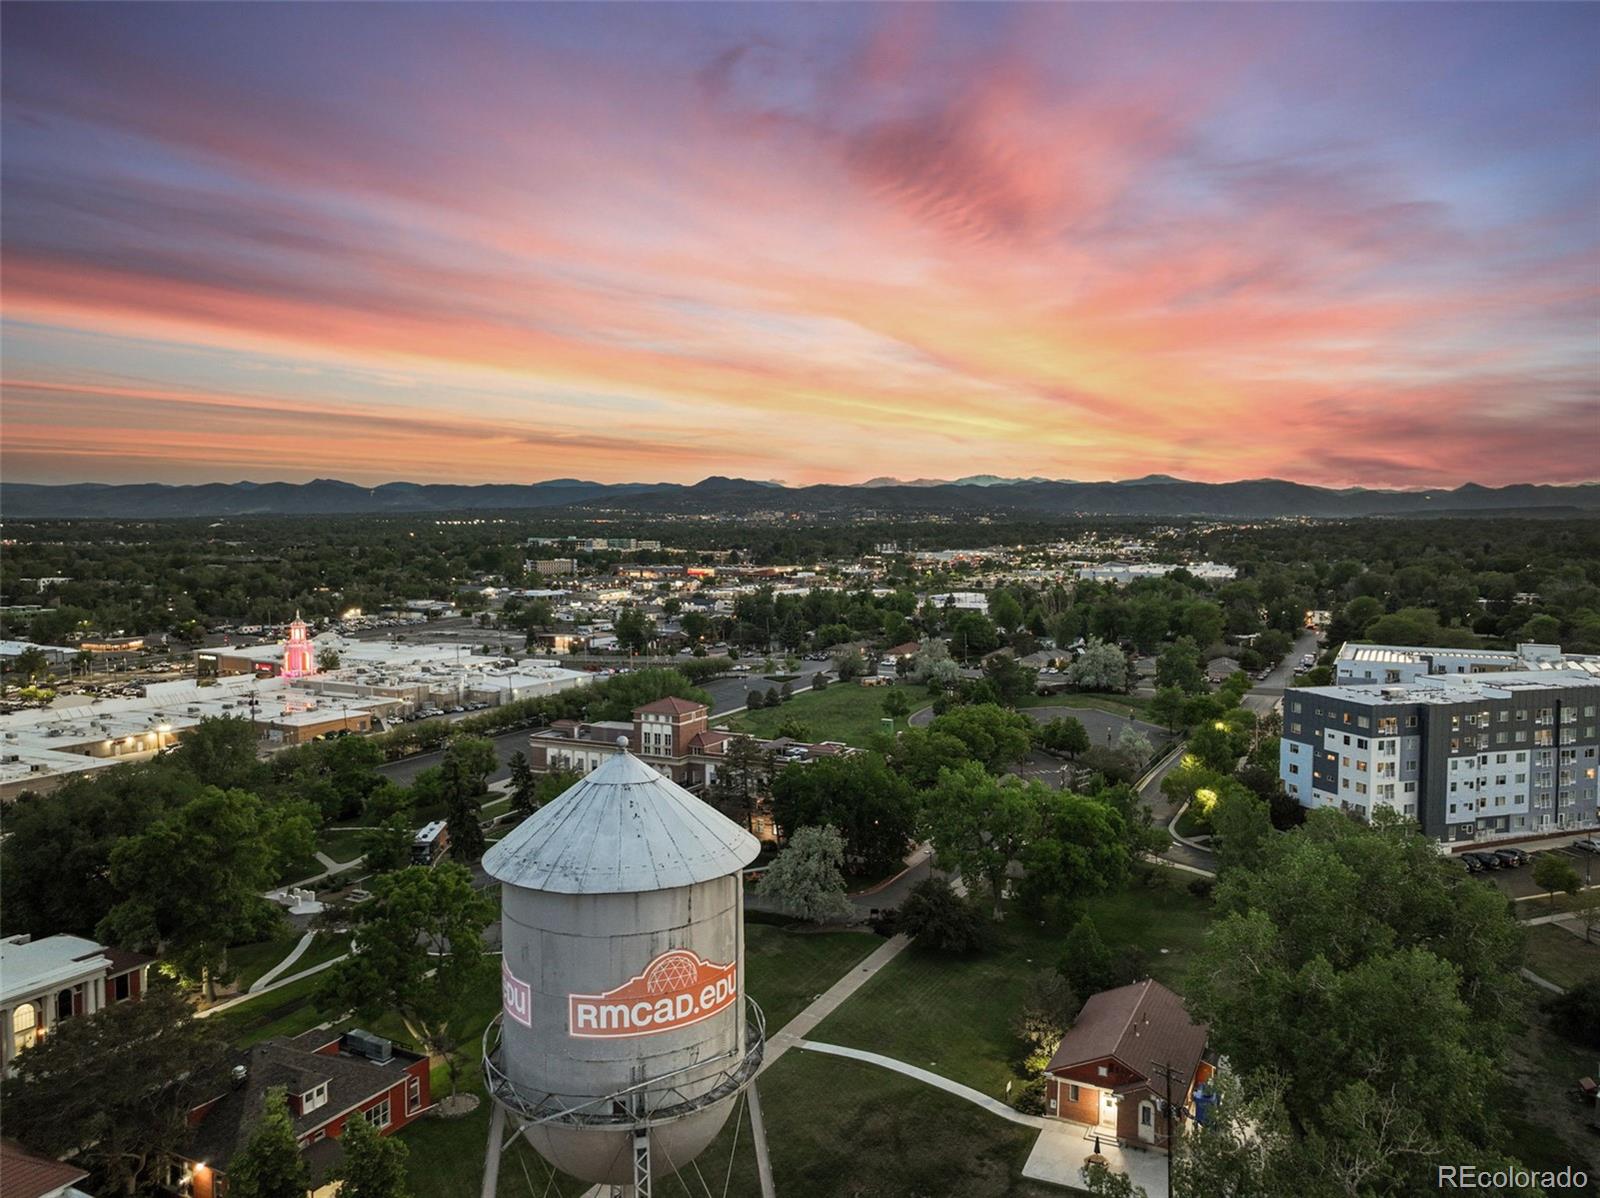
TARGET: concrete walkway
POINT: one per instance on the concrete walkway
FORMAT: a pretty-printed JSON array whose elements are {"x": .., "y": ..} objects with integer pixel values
[
  {"x": 1542, "y": 983},
  {"x": 252, "y": 995},
  {"x": 1059, "y": 1152},
  {"x": 299, "y": 950},
  {"x": 794, "y": 1032},
  {"x": 993, "y": 1105}
]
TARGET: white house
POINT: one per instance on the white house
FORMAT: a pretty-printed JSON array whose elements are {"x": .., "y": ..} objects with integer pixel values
[{"x": 46, "y": 982}]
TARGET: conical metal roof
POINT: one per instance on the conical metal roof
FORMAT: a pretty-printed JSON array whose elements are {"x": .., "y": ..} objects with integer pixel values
[{"x": 621, "y": 828}]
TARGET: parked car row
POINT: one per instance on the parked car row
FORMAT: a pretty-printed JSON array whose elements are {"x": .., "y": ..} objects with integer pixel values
[{"x": 1494, "y": 859}]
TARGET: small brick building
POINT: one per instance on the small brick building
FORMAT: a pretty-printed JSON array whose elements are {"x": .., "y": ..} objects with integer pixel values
[
  {"x": 1111, "y": 1071},
  {"x": 328, "y": 1079}
]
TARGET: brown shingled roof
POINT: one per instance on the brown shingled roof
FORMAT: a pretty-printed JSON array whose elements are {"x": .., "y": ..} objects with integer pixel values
[
  {"x": 24, "y": 1174},
  {"x": 671, "y": 706},
  {"x": 1139, "y": 1025}
]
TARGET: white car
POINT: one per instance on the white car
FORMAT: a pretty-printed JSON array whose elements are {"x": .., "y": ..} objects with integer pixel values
[{"x": 1588, "y": 844}]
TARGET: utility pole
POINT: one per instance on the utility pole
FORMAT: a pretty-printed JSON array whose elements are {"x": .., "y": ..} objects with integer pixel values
[{"x": 1164, "y": 1070}]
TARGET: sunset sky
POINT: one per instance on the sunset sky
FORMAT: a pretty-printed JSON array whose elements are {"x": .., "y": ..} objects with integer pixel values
[{"x": 1354, "y": 244}]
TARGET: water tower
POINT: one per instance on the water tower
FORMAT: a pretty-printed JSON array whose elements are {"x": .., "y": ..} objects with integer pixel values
[{"x": 625, "y": 1038}]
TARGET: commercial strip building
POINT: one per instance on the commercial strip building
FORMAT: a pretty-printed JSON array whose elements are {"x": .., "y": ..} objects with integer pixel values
[
  {"x": 374, "y": 681},
  {"x": 1498, "y": 753},
  {"x": 45, "y": 982}
]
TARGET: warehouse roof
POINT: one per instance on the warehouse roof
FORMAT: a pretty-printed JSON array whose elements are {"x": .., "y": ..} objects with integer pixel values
[{"x": 623, "y": 827}]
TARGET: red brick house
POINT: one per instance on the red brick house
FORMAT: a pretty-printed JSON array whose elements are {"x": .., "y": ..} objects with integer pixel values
[
  {"x": 1111, "y": 1071},
  {"x": 328, "y": 1079}
]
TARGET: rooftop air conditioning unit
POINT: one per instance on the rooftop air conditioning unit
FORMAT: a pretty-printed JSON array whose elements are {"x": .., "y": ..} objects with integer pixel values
[
  {"x": 365, "y": 1044},
  {"x": 8, "y": 758}
]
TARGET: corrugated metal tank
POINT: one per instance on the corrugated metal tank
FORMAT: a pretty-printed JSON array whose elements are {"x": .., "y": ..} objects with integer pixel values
[{"x": 623, "y": 974}]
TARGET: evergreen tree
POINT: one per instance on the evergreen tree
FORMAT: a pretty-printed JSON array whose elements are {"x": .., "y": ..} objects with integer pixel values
[
  {"x": 270, "y": 1165},
  {"x": 374, "y": 1165}
]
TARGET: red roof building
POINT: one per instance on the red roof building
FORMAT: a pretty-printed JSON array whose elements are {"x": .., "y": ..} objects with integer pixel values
[
  {"x": 24, "y": 1174},
  {"x": 1129, "y": 1049}
]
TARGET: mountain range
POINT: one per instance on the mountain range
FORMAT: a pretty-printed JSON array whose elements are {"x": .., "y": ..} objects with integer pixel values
[{"x": 1153, "y": 495}]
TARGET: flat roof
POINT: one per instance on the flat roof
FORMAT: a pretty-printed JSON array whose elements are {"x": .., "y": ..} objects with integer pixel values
[{"x": 1453, "y": 688}]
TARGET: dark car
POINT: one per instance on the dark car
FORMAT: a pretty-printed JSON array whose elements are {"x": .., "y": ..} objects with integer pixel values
[
  {"x": 1485, "y": 860},
  {"x": 1471, "y": 862},
  {"x": 1511, "y": 857}
]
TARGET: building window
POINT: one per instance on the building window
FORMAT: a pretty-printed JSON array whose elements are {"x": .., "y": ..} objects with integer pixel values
[
  {"x": 1104, "y": 1072},
  {"x": 1072, "y": 1093},
  {"x": 378, "y": 1116},
  {"x": 313, "y": 1098},
  {"x": 120, "y": 988},
  {"x": 24, "y": 1026},
  {"x": 413, "y": 1095},
  {"x": 1147, "y": 1115}
]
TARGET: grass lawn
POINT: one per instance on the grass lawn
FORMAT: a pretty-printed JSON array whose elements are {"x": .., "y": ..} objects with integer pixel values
[
  {"x": 1533, "y": 906},
  {"x": 250, "y": 961},
  {"x": 953, "y": 1015},
  {"x": 342, "y": 844},
  {"x": 1536, "y": 1096},
  {"x": 284, "y": 1012},
  {"x": 1558, "y": 956},
  {"x": 845, "y": 711}
]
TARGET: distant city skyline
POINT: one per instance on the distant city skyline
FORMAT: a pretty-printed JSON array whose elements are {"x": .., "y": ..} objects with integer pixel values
[{"x": 1338, "y": 244}]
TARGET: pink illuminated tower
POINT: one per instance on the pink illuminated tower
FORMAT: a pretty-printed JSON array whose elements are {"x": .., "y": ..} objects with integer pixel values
[{"x": 299, "y": 655}]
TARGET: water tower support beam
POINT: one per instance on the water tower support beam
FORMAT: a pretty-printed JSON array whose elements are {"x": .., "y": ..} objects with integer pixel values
[
  {"x": 758, "y": 1136},
  {"x": 491, "y": 1160},
  {"x": 641, "y": 1163}
]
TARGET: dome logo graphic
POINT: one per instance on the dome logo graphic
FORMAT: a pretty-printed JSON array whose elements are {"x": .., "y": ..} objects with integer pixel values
[{"x": 676, "y": 989}]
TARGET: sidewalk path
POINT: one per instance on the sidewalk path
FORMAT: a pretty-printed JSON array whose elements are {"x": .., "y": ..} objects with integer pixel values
[
  {"x": 1542, "y": 983},
  {"x": 252, "y": 995},
  {"x": 794, "y": 1032},
  {"x": 299, "y": 950},
  {"x": 993, "y": 1105}
]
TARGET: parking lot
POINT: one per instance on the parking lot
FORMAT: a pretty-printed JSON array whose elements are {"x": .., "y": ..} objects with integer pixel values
[{"x": 1518, "y": 881}]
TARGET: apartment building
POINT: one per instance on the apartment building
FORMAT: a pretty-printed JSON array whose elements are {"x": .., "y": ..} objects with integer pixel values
[{"x": 1469, "y": 756}]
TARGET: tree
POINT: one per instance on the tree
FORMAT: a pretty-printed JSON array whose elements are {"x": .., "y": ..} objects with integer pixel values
[
  {"x": 918, "y": 754},
  {"x": 634, "y": 630},
  {"x": 972, "y": 634},
  {"x": 1179, "y": 666},
  {"x": 1010, "y": 678},
  {"x": 1576, "y": 1013},
  {"x": 793, "y": 727},
  {"x": 31, "y": 663},
  {"x": 221, "y": 752},
  {"x": 623, "y": 693},
  {"x": 896, "y": 705},
  {"x": 1102, "y": 1182},
  {"x": 374, "y": 1165},
  {"x": 522, "y": 785},
  {"x": 1065, "y": 735},
  {"x": 1313, "y": 951},
  {"x": 742, "y": 779},
  {"x": 1243, "y": 825},
  {"x": 1586, "y": 911},
  {"x": 1080, "y": 846},
  {"x": 979, "y": 824},
  {"x": 417, "y": 952},
  {"x": 327, "y": 659},
  {"x": 270, "y": 1164},
  {"x": 1099, "y": 666},
  {"x": 1166, "y": 708},
  {"x": 387, "y": 847},
  {"x": 1090, "y": 966},
  {"x": 465, "y": 770},
  {"x": 1214, "y": 747},
  {"x": 936, "y": 917},
  {"x": 1049, "y": 1005},
  {"x": 1005, "y": 610},
  {"x": 806, "y": 879},
  {"x": 116, "y": 1087},
  {"x": 231, "y": 847},
  {"x": 1135, "y": 744},
  {"x": 992, "y": 735},
  {"x": 871, "y": 806},
  {"x": 1552, "y": 873}
]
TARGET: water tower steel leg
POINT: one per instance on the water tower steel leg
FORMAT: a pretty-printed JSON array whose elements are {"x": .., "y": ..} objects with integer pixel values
[
  {"x": 758, "y": 1136},
  {"x": 491, "y": 1160},
  {"x": 641, "y": 1163}
]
